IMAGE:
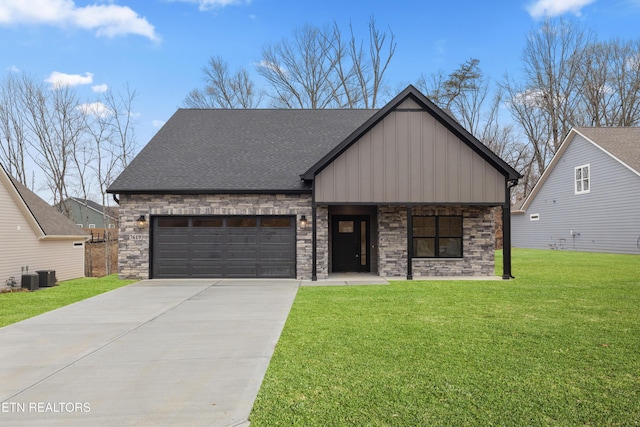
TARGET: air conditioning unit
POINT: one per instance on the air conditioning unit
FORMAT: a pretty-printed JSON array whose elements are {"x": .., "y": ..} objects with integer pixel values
[
  {"x": 30, "y": 281},
  {"x": 47, "y": 278}
]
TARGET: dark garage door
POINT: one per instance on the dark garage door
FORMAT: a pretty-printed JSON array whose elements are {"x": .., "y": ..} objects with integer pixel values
[{"x": 230, "y": 246}]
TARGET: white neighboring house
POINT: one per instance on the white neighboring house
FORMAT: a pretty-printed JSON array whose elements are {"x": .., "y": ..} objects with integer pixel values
[
  {"x": 588, "y": 198},
  {"x": 35, "y": 235}
]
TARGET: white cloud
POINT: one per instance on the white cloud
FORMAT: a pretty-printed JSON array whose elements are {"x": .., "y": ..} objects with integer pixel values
[
  {"x": 97, "y": 109},
  {"x": 100, "y": 88},
  {"x": 108, "y": 20},
  {"x": 214, "y": 4},
  {"x": 157, "y": 123},
  {"x": 13, "y": 69},
  {"x": 273, "y": 67},
  {"x": 551, "y": 8},
  {"x": 58, "y": 79}
]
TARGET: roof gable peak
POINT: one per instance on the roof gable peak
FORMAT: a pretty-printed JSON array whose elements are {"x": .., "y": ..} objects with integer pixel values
[{"x": 425, "y": 104}]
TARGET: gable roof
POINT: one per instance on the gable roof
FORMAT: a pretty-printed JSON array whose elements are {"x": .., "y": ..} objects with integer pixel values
[
  {"x": 263, "y": 150},
  {"x": 620, "y": 143},
  {"x": 89, "y": 204},
  {"x": 226, "y": 151},
  {"x": 441, "y": 116},
  {"x": 45, "y": 220}
]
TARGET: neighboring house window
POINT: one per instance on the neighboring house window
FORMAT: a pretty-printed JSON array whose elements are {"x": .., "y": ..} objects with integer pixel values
[
  {"x": 112, "y": 226},
  {"x": 583, "y": 182},
  {"x": 92, "y": 226},
  {"x": 80, "y": 225},
  {"x": 437, "y": 236}
]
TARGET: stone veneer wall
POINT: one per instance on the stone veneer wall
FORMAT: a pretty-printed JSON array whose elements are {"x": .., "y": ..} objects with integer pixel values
[
  {"x": 392, "y": 241},
  {"x": 133, "y": 257},
  {"x": 322, "y": 244},
  {"x": 478, "y": 242}
]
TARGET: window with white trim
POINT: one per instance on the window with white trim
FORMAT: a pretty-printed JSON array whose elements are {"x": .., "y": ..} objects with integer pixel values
[{"x": 582, "y": 179}]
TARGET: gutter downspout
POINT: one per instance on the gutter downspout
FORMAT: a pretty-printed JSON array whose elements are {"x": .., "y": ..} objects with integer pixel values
[
  {"x": 115, "y": 198},
  {"x": 506, "y": 231}
]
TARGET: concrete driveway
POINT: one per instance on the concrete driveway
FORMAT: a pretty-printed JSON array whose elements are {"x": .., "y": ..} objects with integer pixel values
[{"x": 157, "y": 352}]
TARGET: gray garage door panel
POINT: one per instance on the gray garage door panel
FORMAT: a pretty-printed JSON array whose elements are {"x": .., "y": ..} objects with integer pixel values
[{"x": 234, "y": 247}]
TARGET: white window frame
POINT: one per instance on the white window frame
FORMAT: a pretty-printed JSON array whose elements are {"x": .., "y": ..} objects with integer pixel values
[
  {"x": 582, "y": 180},
  {"x": 92, "y": 226}
]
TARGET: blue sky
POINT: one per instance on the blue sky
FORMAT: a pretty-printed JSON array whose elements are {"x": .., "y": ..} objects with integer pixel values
[{"x": 158, "y": 47}]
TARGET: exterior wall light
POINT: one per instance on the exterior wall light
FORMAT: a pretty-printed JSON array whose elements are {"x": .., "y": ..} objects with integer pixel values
[
  {"x": 303, "y": 221},
  {"x": 141, "y": 222}
]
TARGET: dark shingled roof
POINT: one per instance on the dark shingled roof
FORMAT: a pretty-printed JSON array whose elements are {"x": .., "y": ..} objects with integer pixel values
[
  {"x": 205, "y": 151},
  {"x": 52, "y": 222},
  {"x": 622, "y": 142}
]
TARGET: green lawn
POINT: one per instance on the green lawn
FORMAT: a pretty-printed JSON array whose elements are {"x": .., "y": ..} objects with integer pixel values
[
  {"x": 17, "y": 306},
  {"x": 559, "y": 345}
]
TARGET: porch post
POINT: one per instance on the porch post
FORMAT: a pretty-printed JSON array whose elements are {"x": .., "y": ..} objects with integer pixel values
[
  {"x": 506, "y": 232},
  {"x": 409, "y": 242},
  {"x": 314, "y": 236}
]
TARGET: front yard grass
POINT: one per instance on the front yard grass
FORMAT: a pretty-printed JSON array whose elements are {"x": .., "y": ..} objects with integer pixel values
[
  {"x": 17, "y": 306},
  {"x": 559, "y": 345}
]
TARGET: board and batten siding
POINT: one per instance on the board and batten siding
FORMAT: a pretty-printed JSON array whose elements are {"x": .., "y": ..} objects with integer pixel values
[
  {"x": 409, "y": 157},
  {"x": 606, "y": 219},
  {"x": 21, "y": 247}
]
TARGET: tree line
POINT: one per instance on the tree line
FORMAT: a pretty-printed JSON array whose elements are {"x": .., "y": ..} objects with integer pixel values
[
  {"x": 569, "y": 78},
  {"x": 78, "y": 146}
]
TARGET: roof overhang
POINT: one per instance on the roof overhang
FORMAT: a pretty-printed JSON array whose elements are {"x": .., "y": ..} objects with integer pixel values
[
  {"x": 20, "y": 203},
  {"x": 209, "y": 191},
  {"x": 82, "y": 237}
]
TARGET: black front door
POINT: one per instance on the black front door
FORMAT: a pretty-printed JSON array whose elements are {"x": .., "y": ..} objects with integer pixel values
[{"x": 350, "y": 243}]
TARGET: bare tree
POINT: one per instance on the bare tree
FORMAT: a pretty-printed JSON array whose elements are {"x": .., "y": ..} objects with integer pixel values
[
  {"x": 110, "y": 126},
  {"x": 318, "y": 68},
  {"x": 359, "y": 72},
  {"x": 299, "y": 70},
  {"x": 610, "y": 82},
  {"x": 119, "y": 107},
  {"x": 12, "y": 129},
  {"x": 314, "y": 68},
  {"x": 597, "y": 95},
  {"x": 224, "y": 89},
  {"x": 468, "y": 96},
  {"x": 54, "y": 123},
  {"x": 463, "y": 92},
  {"x": 547, "y": 102}
]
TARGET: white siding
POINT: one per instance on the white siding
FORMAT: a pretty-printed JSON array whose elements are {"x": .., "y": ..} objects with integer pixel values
[
  {"x": 20, "y": 246},
  {"x": 607, "y": 219}
]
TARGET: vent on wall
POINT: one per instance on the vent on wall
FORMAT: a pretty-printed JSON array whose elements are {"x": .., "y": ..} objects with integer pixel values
[{"x": 534, "y": 217}]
